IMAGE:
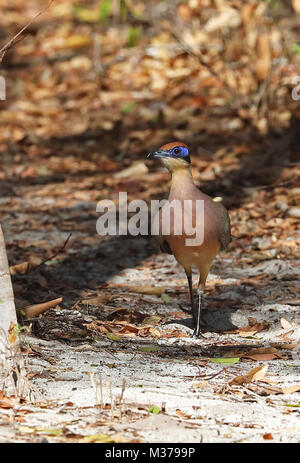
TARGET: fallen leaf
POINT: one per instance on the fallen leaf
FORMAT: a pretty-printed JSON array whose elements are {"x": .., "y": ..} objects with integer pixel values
[
  {"x": 257, "y": 373},
  {"x": 102, "y": 299},
  {"x": 260, "y": 357},
  {"x": 201, "y": 385},
  {"x": 285, "y": 324},
  {"x": 78, "y": 41},
  {"x": 166, "y": 298},
  {"x": 246, "y": 334},
  {"x": 148, "y": 349},
  {"x": 133, "y": 171},
  {"x": 98, "y": 438},
  {"x": 152, "y": 290},
  {"x": 7, "y": 402},
  {"x": 155, "y": 410},
  {"x": 225, "y": 361},
  {"x": 12, "y": 334},
  {"x": 113, "y": 337},
  {"x": 296, "y": 5},
  {"x": 20, "y": 269},
  {"x": 291, "y": 389},
  {"x": 288, "y": 346}
]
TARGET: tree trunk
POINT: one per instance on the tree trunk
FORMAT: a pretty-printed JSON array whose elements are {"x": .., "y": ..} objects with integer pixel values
[
  {"x": 7, "y": 304},
  {"x": 12, "y": 371}
]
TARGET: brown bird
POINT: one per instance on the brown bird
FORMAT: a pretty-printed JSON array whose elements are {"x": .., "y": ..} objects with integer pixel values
[{"x": 190, "y": 225}]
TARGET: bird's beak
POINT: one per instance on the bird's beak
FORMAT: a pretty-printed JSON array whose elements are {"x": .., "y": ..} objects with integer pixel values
[{"x": 157, "y": 154}]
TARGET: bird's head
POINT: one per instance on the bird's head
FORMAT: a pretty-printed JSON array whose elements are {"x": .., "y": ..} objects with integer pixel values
[{"x": 173, "y": 156}]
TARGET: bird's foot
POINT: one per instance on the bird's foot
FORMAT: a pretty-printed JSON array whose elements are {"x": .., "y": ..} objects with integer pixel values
[{"x": 197, "y": 333}]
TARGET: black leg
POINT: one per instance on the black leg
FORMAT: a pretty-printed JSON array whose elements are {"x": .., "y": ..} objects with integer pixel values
[
  {"x": 189, "y": 276},
  {"x": 198, "y": 316}
]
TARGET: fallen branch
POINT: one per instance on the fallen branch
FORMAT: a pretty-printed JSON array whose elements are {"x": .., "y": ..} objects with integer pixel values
[{"x": 18, "y": 37}]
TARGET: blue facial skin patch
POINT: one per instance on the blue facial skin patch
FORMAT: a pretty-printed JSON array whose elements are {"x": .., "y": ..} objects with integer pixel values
[{"x": 180, "y": 152}]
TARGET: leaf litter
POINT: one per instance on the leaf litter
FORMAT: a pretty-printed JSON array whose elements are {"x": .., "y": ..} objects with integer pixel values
[{"x": 120, "y": 314}]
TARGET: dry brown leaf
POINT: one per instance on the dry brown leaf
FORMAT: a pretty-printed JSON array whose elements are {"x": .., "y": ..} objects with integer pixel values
[
  {"x": 20, "y": 269},
  {"x": 239, "y": 380},
  {"x": 264, "y": 390},
  {"x": 12, "y": 334},
  {"x": 257, "y": 373},
  {"x": 7, "y": 402},
  {"x": 288, "y": 346},
  {"x": 285, "y": 335},
  {"x": 152, "y": 290},
  {"x": 285, "y": 324},
  {"x": 247, "y": 13},
  {"x": 201, "y": 385},
  {"x": 133, "y": 171},
  {"x": 263, "y": 350},
  {"x": 291, "y": 389},
  {"x": 37, "y": 309},
  {"x": 246, "y": 334},
  {"x": 296, "y": 5},
  {"x": 263, "y": 63},
  {"x": 182, "y": 414},
  {"x": 261, "y": 357},
  {"x": 252, "y": 328},
  {"x": 102, "y": 299},
  {"x": 78, "y": 41}
]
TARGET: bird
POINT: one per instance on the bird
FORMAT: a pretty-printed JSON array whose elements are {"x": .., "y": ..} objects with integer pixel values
[{"x": 214, "y": 225}]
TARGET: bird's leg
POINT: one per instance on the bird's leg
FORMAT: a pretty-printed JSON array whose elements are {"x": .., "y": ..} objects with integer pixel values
[
  {"x": 198, "y": 314},
  {"x": 189, "y": 276}
]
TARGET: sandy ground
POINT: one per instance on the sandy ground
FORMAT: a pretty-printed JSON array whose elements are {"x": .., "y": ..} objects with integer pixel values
[{"x": 79, "y": 378}]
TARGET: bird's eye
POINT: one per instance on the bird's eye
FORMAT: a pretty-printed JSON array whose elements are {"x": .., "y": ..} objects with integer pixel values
[{"x": 177, "y": 150}]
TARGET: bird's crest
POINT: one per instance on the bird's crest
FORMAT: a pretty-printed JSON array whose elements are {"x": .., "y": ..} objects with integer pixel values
[{"x": 171, "y": 145}]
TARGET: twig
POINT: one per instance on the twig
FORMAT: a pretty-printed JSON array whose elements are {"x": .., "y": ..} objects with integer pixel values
[
  {"x": 101, "y": 390},
  {"x": 111, "y": 397},
  {"x": 18, "y": 37},
  {"x": 54, "y": 255},
  {"x": 121, "y": 397}
]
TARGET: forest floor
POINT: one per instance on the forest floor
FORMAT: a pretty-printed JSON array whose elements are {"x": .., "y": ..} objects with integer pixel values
[{"x": 115, "y": 361}]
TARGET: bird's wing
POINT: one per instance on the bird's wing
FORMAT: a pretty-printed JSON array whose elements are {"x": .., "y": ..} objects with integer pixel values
[
  {"x": 225, "y": 227},
  {"x": 164, "y": 247}
]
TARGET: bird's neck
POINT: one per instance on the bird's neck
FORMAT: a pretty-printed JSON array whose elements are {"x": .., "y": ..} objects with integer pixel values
[{"x": 181, "y": 180}]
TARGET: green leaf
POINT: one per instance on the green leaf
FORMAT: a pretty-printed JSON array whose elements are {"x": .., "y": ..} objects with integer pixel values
[
  {"x": 110, "y": 365},
  {"x": 104, "y": 10},
  {"x": 84, "y": 14},
  {"x": 133, "y": 36},
  {"x": 98, "y": 438},
  {"x": 225, "y": 361},
  {"x": 113, "y": 337},
  {"x": 153, "y": 320},
  {"x": 166, "y": 298},
  {"x": 148, "y": 349},
  {"x": 295, "y": 48},
  {"x": 128, "y": 107},
  {"x": 51, "y": 432},
  {"x": 155, "y": 410}
]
